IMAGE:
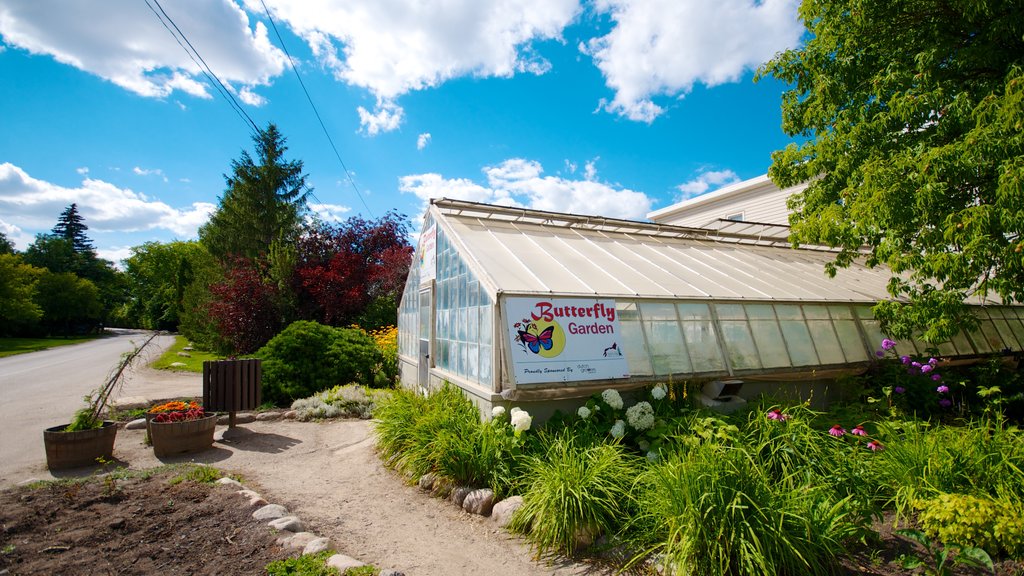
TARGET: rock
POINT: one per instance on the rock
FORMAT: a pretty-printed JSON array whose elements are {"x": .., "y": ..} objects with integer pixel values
[
  {"x": 229, "y": 482},
  {"x": 268, "y": 416},
  {"x": 188, "y": 348},
  {"x": 391, "y": 572},
  {"x": 297, "y": 541},
  {"x": 316, "y": 546},
  {"x": 291, "y": 415},
  {"x": 287, "y": 523},
  {"x": 184, "y": 354},
  {"x": 28, "y": 481},
  {"x": 253, "y": 497},
  {"x": 479, "y": 501},
  {"x": 503, "y": 511},
  {"x": 426, "y": 482},
  {"x": 240, "y": 418},
  {"x": 178, "y": 365},
  {"x": 442, "y": 487},
  {"x": 137, "y": 424},
  {"x": 342, "y": 562},
  {"x": 585, "y": 536},
  {"x": 116, "y": 523},
  {"x": 271, "y": 512},
  {"x": 459, "y": 494}
]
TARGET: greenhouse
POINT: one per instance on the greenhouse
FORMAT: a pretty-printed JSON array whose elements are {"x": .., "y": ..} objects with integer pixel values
[{"x": 525, "y": 306}]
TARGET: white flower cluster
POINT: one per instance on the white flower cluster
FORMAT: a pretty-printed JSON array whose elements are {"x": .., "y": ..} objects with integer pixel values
[
  {"x": 583, "y": 412},
  {"x": 521, "y": 420},
  {"x": 641, "y": 416},
  {"x": 612, "y": 398},
  {"x": 618, "y": 429},
  {"x": 658, "y": 392},
  {"x": 497, "y": 412}
]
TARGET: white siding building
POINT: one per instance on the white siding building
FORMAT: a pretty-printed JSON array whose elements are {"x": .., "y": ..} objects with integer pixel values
[{"x": 756, "y": 200}]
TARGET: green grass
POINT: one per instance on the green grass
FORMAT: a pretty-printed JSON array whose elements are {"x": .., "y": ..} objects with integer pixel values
[
  {"x": 192, "y": 364},
  {"x": 12, "y": 346}
]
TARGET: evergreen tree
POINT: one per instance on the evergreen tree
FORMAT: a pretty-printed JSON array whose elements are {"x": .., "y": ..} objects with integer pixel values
[
  {"x": 6, "y": 246},
  {"x": 263, "y": 203},
  {"x": 71, "y": 226}
]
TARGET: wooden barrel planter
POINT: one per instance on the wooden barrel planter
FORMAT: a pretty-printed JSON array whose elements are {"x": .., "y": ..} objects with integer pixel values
[
  {"x": 79, "y": 448},
  {"x": 172, "y": 438}
]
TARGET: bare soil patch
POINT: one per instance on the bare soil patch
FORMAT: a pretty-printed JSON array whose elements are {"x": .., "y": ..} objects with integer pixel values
[{"x": 140, "y": 525}]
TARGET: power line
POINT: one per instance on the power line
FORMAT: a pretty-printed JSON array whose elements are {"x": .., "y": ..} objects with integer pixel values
[
  {"x": 204, "y": 67},
  {"x": 315, "y": 111}
]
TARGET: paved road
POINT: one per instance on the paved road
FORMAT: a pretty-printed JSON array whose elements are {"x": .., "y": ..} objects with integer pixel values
[{"x": 43, "y": 389}]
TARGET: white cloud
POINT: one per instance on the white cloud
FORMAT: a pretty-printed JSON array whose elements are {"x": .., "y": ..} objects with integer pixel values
[
  {"x": 123, "y": 41},
  {"x": 33, "y": 205},
  {"x": 115, "y": 254},
  {"x": 422, "y": 141},
  {"x": 704, "y": 181},
  {"x": 386, "y": 116},
  {"x": 150, "y": 172},
  {"x": 520, "y": 182},
  {"x": 330, "y": 212},
  {"x": 663, "y": 47},
  {"x": 392, "y": 47},
  {"x": 590, "y": 169}
]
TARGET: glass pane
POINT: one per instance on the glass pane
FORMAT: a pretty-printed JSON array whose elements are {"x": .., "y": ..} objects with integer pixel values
[
  {"x": 487, "y": 325},
  {"x": 657, "y": 311},
  {"x": 815, "y": 312},
  {"x": 472, "y": 361},
  {"x": 665, "y": 344},
  {"x": 730, "y": 312},
  {"x": 740, "y": 344},
  {"x": 485, "y": 366},
  {"x": 798, "y": 337},
  {"x": 769, "y": 342},
  {"x": 1018, "y": 329},
  {"x": 962, "y": 343},
  {"x": 825, "y": 341},
  {"x": 849, "y": 339},
  {"x": 840, "y": 312},
  {"x": 472, "y": 324},
  {"x": 992, "y": 335},
  {"x": 1009, "y": 340},
  {"x": 788, "y": 312},
  {"x": 633, "y": 343},
  {"x": 872, "y": 330},
  {"x": 947, "y": 349},
  {"x": 760, "y": 312},
  {"x": 699, "y": 335}
]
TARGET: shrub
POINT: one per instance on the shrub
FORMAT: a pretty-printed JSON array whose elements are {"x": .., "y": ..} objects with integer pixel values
[
  {"x": 307, "y": 357},
  {"x": 386, "y": 339},
  {"x": 348, "y": 401},
  {"x": 306, "y": 565},
  {"x": 574, "y": 492},
  {"x": 971, "y": 521}
]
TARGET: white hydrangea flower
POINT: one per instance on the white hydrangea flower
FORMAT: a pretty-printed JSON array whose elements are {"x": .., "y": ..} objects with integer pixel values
[
  {"x": 653, "y": 456},
  {"x": 612, "y": 398},
  {"x": 658, "y": 392},
  {"x": 497, "y": 412},
  {"x": 643, "y": 445},
  {"x": 618, "y": 429},
  {"x": 521, "y": 420},
  {"x": 583, "y": 412},
  {"x": 641, "y": 416}
]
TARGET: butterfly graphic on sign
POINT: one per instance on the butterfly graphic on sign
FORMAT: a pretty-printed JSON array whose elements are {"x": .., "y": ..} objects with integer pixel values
[
  {"x": 545, "y": 340},
  {"x": 537, "y": 341}
]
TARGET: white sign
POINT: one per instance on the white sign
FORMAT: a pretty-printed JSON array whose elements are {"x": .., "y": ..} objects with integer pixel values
[
  {"x": 428, "y": 254},
  {"x": 564, "y": 340}
]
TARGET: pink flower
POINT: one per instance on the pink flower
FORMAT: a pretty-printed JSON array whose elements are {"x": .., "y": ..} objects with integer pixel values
[
  {"x": 936, "y": 377},
  {"x": 915, "y": 364},
  {"x": 776, "y": 415},
  {"x": 879, "y": 353},
  {"x": 905, "y": 359},
  {"x": 837, "y": 431},
  {"x": 945, "y": 402},
  {"x": 927, "y": 368},
  {"x": 942, "y": 389},
  {"x": 933, "y": 361},
  {"x": 858, "y": 430},
  {"x": 875, "y": 446},
  {"x": 888, "y": 344},
  {"x": 899, "y": 389}
]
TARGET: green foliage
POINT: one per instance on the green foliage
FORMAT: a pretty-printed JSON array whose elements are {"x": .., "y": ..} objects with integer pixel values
[
  {"x": 12, "y": 346},
  {"x": 713, "y": 510},
  {"x": 938, "y": 561},
  {"x": 973, "y": 522},
  {"x": 574, "y": 492},
  {"x": 18, "y": 309},
  {"x": 367, "y": 570},
  {"x": 6, "y": 246},
  {"x": 306, "y": 565},
  {"x": 197, "y": 473},
  {"x": 159, "y": 275},
  {"x": 70, "y": 304},
  {"x": 263, "y": 202},
  {"x": 910, "y": 115},
  {"x": 307, "y": 357},
  {"x": 343, "y": 401}
]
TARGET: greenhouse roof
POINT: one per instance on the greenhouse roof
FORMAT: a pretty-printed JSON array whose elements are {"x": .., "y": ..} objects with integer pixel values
[{"x": 533, "y": 252}]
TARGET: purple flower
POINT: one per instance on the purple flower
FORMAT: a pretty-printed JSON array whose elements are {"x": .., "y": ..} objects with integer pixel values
[
  {"x": 942, "y": 389},
  {"x": 859, "y": 430},
  {"x": 899, "y": 389},
  {"x": 875, "y": 446},
  {"x": 945, "y": 402},
  {"x": 837, "y": 431},
  {"x": 905, "y": 359},
  {"x": 927, "y": 368},
  {"x": 915, "y": 364},
  {"x": 879, "y": 353},
  {"x": 888, "y": 344},
  {"x": 936, "y": 377},
  {"x": 775, "y": 415},
  {"x": 933, "y": 361}
]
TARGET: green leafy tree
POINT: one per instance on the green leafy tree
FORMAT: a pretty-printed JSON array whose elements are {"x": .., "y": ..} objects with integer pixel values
[
  {"x": 70, "y": 305},
  {"x": 912, "y": 119},
  {"x": 54, "y": 253},
  {"x": 159, "y": 275},
  {"x": 6, "y": 246},
  {"x": 18, "y": 310},
  {"x": 263, "y": 203}
]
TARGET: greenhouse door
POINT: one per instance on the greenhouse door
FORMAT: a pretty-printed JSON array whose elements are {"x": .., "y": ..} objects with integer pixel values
[{"x": 426, "y": 314}]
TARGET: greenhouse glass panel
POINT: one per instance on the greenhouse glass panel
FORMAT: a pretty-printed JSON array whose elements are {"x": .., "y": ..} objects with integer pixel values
[
  {"x": 826, "y": 343},
  {"x": 999, "y": 320},
  {"x": 947, "y": 348},
  {"x": 1016, "y": 325},
  {"x": 798, "y": 337},
  {"x": 472, "y": 324},
  {"x": 872, "y": 329},
  {"x": 988, "y": 331},
  {"x": 699, "y": 335},
  {"x": 767, "y": 336},
  {"x": 485, "y": 363},
  {"x": 664, "y": 340},
  {"x": 472, "y": 361},
  {"x": 739, "y": 344},
  {"x": 962, "y": 343},
  {"x": 634, "y": 345},
  {"x": 849, "y": 337}
]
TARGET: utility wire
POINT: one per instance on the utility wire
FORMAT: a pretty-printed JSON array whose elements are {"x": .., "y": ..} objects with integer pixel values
[
  {"x": 204, "y": 67},
  {"x": 315, "y": 111}
]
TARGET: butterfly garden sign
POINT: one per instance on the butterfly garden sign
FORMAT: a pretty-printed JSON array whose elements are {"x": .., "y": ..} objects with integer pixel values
[{"x": 564, "y": 340}]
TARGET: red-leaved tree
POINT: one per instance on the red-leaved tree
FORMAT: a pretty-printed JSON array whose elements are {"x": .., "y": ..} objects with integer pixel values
[{"x": 245, "y": 307}]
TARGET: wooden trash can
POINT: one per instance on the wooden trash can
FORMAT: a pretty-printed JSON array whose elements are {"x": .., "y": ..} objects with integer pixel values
[{"x": 232, "y": 385}]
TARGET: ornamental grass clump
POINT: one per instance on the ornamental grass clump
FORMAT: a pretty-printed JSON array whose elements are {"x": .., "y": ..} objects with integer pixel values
[
  {"x": 348, "y": 401},
  {"x": 575, "y": 490}
]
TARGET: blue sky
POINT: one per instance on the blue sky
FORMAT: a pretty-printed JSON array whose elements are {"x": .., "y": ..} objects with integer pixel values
[{"x": 607, "y": 107}]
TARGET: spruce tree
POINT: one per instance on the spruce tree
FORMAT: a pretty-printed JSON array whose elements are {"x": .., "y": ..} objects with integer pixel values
[{"x": 71, "y": 226}]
